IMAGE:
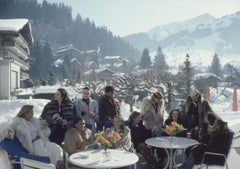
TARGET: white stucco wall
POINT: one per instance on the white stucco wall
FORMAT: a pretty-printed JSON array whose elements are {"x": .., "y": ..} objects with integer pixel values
[
  {"x": 5, "y": 79},
  {"x": 15, "y": 77}
]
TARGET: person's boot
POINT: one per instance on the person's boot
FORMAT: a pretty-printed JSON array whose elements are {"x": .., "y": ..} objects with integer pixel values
[{"x": 60, "y": 165}]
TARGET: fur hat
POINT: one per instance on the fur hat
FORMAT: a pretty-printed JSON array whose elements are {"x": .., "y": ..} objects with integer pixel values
[
  {"x": 158, "y": 95},
  {"x": 194, "y": 93}
]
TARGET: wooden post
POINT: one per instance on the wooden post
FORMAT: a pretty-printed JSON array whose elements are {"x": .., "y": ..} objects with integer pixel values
[
  {"x": 207, "y": 94},
  {"x": 235, "y": 102}
]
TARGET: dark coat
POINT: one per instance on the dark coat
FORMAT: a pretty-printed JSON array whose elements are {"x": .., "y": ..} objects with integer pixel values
[
  {"x": 217, "y": 143},
  {"x": 66, "y": 111},
  {"x": 107, "y": 109},
  {"x": 139, "y": 134},
  {"x": 196, "y": 114}
]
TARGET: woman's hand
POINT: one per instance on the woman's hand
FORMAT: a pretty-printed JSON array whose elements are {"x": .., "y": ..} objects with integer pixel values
[
  {"x": 10, "y": 135},
  {"x": 64, "y": 122},
  {"x": 90, "y": 115},
  {"x": 55, "y": 116}
]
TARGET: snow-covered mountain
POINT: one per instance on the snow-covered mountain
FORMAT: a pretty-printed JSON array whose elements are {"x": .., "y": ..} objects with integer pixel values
[
  {"x": 200, "y": 37},
  {"x": 162, "y": 32}
]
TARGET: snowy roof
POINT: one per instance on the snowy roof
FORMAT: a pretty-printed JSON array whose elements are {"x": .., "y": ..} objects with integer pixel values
[
  {"x": 205, "y": 75},
  {"x": 97, "y": 71},
  {"x": 71, "y": 47},
  {"x": 15, "y": 25},
  {"x": 66, "y": 48},
  {"x": 112, "y": 57}
]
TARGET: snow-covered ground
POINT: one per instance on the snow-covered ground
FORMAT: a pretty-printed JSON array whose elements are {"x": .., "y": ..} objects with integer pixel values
[{"x": 222, "y": 105}]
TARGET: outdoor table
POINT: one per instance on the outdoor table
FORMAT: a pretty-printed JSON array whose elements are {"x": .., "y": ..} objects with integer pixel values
[
  {"x": 181, "y": 143},
  {"x": 119, "y": 158}
]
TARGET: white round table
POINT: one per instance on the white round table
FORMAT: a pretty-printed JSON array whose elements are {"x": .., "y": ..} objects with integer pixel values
[
  {"x": 119, "y": 158},
  {"x": 164, "y": 142}
]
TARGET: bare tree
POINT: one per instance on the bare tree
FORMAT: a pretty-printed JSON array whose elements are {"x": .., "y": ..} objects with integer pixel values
[{"x": 126, "y": 86}]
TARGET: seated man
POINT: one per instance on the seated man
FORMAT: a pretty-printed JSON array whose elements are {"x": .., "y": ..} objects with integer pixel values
[{"x": 217, "y": 132}]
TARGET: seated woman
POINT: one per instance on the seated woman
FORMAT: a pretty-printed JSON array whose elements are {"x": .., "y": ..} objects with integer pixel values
[
  {"x": 218, "y": 131},
  {"x": 118, "y": 126},
  {"x": 60, "y": 114},
  {"x": 139, "y": 134},
  {"x": 77, "y": 138},
  {"x": 174, "y": 116},
  {"x": 33, "y": 135}
]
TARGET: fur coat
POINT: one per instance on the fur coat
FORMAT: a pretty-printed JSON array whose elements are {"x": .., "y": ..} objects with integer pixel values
[
  {"x": 34, "y": 138},
  {"x": 203, "y": 109},
  {"x": 153, "y": 120},
  {"x": 73, "y": 138}
]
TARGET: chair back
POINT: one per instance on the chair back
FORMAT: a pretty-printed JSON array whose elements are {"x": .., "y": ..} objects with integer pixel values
[
  {"x": 218, "y": 158},
  {"x": 89, "y": 126},
  {"x": 13, "y": 147},
  {"x": 44, "y": 159},
  {"x": 107, "y": 124},
  {"x": 30, "y": 163},
  {"x": 230, "y": 141}
]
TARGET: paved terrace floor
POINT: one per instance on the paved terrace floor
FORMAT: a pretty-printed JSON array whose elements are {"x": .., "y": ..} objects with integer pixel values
[{"x": 233, "y": 158}]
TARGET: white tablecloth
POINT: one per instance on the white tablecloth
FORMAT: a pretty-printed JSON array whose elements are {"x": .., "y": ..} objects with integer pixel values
[
  {"x": 164, "y": 142},
  {"x": 119, "y": 158}
]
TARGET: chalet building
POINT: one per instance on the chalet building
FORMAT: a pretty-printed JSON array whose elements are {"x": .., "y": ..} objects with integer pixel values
[
  {"x": 112, "y": 59},
  {"x": 98, "y": 74},
  {"x": 76, "y": 55},
  {"x": 15, "y": 38},
  {"x": 203, "y": 80},
  {"x": 115, "y": 63}
]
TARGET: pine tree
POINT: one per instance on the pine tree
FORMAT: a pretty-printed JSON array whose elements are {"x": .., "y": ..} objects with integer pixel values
[
  {"x": 185, "y": 79},
  {"x": 145, "y": 62},
  {"x": 51, "y": 79},
  {"x": 66, "y": 73},
  {"x": 188, "y": 74},
  {"x": 41, "y": 60},
  {"x": 215, "y": 67},
  {"x": 159, "y": 61}
]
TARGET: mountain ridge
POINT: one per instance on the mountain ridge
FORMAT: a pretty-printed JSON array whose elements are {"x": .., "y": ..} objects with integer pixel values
[{"x": 202, "y": 33}]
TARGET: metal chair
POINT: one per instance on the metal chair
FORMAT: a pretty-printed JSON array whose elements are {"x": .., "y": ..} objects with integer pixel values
[
  {"x": 16, "y": 151},
  {"x": 221, "y": 158}
]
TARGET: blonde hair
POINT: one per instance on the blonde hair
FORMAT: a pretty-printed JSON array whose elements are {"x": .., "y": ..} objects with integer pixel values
[
  {"x": 24, "y": 110},
  {"x": 122, "y": 126}
]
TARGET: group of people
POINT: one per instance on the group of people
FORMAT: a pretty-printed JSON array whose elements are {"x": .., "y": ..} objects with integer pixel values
[{"x": 72, "y": 125}]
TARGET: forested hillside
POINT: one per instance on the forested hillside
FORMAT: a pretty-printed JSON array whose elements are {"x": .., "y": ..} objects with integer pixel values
[{"x": 53, "y": 22}]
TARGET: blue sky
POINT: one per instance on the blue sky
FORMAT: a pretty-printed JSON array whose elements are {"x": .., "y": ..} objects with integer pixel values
[{"x": 125, "y": 17}]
